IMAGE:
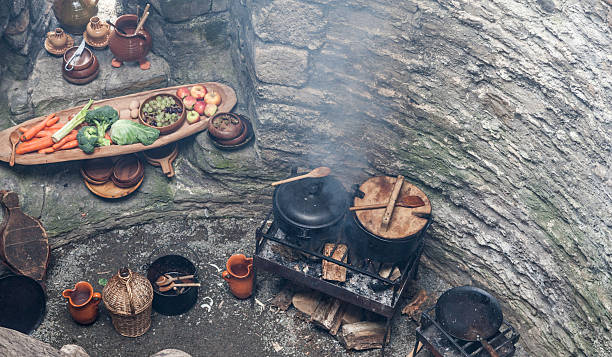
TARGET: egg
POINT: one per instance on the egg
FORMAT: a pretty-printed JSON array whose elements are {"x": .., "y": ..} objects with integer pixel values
[{"x": 134, "y": 104}]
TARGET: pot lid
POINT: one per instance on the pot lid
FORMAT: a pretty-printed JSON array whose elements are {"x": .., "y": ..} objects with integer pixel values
[
  {"x": 127, "y": 293},
  {"x": 312, "y": 202},
  {"x": 404, "y": 222}
]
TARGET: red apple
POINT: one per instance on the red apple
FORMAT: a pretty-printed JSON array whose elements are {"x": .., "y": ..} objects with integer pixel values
[
  {"x": 210, "y": 110},
  {"x": 189, "y": 102},
  {"x": 182, "y": 92},
  {"x": 198, "y": 92},
  {"x": 199, "y": 107},
  {"x": 212, "y": 98},
  {"x": 192, "y": 117}
]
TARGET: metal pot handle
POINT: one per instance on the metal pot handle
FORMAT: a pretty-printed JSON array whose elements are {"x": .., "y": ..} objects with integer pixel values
[{"x": 357, "y": 192}]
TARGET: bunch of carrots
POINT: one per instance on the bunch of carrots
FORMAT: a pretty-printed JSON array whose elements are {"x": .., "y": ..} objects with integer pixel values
[{"x": 38, "y": 137}]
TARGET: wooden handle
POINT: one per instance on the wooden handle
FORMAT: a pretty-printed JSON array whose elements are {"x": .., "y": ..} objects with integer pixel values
[
  {"x": 187, "y": 284},
  {"x": 12, "y": 160},
  {"x": 291, "y": 179},
  {"x": 489, "y": 348},
  {"x": 145, "y": 14},
  {"x": 416, "y": 349},
  {"x": 391, "y": 205},
  {"x": 167, "y": 168},
  {"x": 185, "y": 277}
]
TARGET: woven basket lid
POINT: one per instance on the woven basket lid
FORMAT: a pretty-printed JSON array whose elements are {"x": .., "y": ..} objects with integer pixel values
[{"x": 127, "y": 293}]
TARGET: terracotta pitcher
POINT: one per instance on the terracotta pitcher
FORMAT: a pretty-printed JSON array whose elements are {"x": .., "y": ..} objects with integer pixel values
[
  {"x": 239, "y": 275},
  {"x": 57, "y": 38},
  {"x": 132, "y": 46},
  {"x": 82, "y": 302},
  {"x": 75, "y": 14}
]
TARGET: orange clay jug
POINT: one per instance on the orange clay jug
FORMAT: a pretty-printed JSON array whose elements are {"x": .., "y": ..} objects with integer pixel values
[
  {"x": 239, "y": 275},
  {"x": 82, "y": 302}
]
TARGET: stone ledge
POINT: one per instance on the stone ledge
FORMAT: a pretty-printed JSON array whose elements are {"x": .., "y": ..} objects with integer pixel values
[{"x": 47, "y": 91}]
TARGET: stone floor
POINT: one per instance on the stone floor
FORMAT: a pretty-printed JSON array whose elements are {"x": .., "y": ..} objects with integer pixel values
[{"x": 231, "y": 328}]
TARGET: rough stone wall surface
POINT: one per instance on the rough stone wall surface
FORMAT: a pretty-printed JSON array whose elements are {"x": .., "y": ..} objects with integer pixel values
[
  {"x": 500, "y": 110},
  {"x": 17, "y": 344}
]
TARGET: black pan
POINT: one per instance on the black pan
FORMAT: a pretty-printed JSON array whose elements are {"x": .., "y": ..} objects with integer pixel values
[
  {"x": 471, "y": 314},
  {"x": 22, "y": 303}
]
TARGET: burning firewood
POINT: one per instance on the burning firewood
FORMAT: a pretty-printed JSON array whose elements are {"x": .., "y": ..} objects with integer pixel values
[
  {"x": 362, "y": 335},
  {"x": 333, "y": 271}
]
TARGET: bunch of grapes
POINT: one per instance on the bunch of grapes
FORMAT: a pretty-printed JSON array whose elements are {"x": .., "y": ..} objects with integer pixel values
[{"x": 161, "y": 111}]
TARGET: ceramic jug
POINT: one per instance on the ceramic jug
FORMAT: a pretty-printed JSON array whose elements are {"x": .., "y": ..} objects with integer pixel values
[
  {"x": 82, "y": 302},
  {"x": 96, "y": 29},
  {"x": 239, "y": 275},
  {"x": 57, "y": 38},
  {"x": 132, "y": 46},
  {"x": 75, "y": 14}
]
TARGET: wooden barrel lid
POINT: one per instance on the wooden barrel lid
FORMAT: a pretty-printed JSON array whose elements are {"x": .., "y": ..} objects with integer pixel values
[{"x": 403, "y": 222}]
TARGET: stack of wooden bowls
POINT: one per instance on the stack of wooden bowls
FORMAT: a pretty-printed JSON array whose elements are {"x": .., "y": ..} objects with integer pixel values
[
  {"x": 228, "y": 129},
  {"x": 126, "y": 173},
  {"x": 85, "y": 68}
]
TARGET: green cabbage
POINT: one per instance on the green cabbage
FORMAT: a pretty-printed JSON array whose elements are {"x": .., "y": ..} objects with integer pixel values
[{"x": 125, "y": 132}]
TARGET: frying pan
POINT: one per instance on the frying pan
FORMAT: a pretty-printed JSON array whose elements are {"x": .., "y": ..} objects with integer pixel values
[
  {"x": 22, "y": 303},
  {"x": 471, "y": 314}
]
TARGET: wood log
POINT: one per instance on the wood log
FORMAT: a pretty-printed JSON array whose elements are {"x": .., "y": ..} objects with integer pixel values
[
  {"x": 306, "y": 302},
  {"x": 421, "y": 301},
  {"x": 352, "y": 314},
  {"x": 328, "y": 314},
  {"x": 282, "y": 300},
  {"x": 362, "y": 335},
  {"x": 333, "y": 271}
]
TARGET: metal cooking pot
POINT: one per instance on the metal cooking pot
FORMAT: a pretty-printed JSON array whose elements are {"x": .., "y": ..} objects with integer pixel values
[
  {"x": 400, "y": 241},
  {"x": 22, "y": 303},
  {"x": 309, "y": 210}
]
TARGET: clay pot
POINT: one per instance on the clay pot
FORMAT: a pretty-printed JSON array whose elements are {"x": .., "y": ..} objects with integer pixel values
[
  {"x": 96, "y": 29},
  {"x": 74, "y": 14},
  {"x": 82, "y": 302},
  {"x": 225, "y": 126},
  {"x": 130, "y": 47},
  {"x": 239, "y": 275},
  {"x": 57, "y": 38}
]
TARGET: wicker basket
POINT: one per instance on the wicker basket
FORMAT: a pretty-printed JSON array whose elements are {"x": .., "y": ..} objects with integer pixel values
[{"x": 128, "y": 297}]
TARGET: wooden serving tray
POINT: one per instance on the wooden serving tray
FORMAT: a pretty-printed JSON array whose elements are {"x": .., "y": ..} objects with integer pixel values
[{"x": 228, "y": 100}]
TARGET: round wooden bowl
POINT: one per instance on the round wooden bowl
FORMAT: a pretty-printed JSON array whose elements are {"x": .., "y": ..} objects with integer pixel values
[
  {"x": 98, "y": 171},
  {"x": 84, "y": 61},
  {"x": 128, "y": 171},
  {"x": 226, "y": 130},
  {"x": 237, "y": 140},
  {"x": 81, "y": 80},
  {"x": 85, "y": 72},
  {"x": 168, "y": 128}
]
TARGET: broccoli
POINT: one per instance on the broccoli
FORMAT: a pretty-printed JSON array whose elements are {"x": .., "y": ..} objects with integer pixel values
[
  {"x": 88, "y": 138},
  {"x": 102, "y": 118}
]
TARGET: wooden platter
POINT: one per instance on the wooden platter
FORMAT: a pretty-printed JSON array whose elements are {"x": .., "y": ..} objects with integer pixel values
[
  {"x": 109, "y": 190},
  {"x": 228, "y": 101}
]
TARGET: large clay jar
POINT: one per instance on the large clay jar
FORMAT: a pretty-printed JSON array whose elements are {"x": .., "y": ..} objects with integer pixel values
[
  {"x": 75, "y": 14},
  {"x": 239, "y": 275},
  {"x": 82, "y": 302},
  {"x": 130, "y": 47},
  {"x": 96, "y": 29},
  {"x": 57, "y": 38}
]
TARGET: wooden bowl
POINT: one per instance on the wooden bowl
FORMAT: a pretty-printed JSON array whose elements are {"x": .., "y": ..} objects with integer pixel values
[
  {"x": 85, "y": 72},
  {"x": 98, "y": 170},
  {"x": 168, "y": 128},
  {"x": 127, "y": 172},
  {"x": 84, "y": 61},
  {"x": 225, "y": 126},
  {"x": 237, "y": 140}
]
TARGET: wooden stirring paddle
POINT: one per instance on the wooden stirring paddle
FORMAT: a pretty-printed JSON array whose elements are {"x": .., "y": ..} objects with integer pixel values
[
  {"x": 403, "y": 201},
  {"x": 318, "y": 172},
  {"x": 175, "y": 285},
  {"x": 167, "y": 279}
]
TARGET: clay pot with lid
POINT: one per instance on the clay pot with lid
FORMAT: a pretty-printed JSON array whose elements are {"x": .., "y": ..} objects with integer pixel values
[
  {"x": 57, "y": 38},
  {"x": 75, "y": 14},
  {"x": 225, "y": 126},
  {"x": 96, "y": 29},
  {"x": 132, "y": 46}
]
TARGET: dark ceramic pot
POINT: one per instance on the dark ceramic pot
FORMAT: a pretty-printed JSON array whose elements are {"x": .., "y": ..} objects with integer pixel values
[
  {"x": 170, "y": 302},
  {"x": 133, "y": 46},
  {"x": 225, "y": 126}
]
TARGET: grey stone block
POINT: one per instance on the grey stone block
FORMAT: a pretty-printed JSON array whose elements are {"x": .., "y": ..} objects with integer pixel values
[
  {"x": 281, "y": 64},
  {"x": 181, "y": 10}
]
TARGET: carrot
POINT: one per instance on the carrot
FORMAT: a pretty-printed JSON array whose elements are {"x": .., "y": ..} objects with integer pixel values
[
  {"x": 55, "y": 127},
  {"x": 23, "y": 129},
  {"x": 71, "y": 136},
  {"x": 52, "y": 121},
  {"x": 34, "y": 145},
  {"x": 43, "y": 133},
  {"x": 70, "y": 145},
  {"x": 107, "y": 136},
  {"x": 36, "y": 128},
  {"x": 46, "y": 151}
]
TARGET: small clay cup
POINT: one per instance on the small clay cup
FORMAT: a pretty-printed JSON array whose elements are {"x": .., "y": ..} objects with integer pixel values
[
  {"x": 57, "y": 38},
  {"x": 239, "y": 275},
  {"x": 83, "y": 302},
  {"x": 225, "y": 126}
]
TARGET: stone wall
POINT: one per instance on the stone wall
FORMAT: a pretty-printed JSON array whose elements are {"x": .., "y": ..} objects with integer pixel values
[{"x": 500, "y": 110}]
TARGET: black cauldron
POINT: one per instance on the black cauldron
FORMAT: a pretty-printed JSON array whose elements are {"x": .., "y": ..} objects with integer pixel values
[
  {"x": 171, "y": 302},
  {"x": 310, "y": 210},
  {"x": 22, "y": 303}
]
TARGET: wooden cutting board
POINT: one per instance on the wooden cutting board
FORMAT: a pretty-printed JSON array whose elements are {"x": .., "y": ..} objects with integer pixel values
[
  {"x": 228, "y": 101},
  {"x": 23, "y": 242},
  {"x": 403, "y": 221}
]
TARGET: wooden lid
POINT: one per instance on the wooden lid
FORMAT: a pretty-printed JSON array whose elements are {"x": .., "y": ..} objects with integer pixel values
[{"x": 403, "y": 222}]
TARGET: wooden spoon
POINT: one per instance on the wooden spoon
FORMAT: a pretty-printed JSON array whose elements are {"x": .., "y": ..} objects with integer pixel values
[
  {"x": 14, "y": 138},
  {"x": 318, "y": 172},
  {"x": 175, "y": 285},
  {"x": 167, "y": 279},
  {"x": 116, "y": 28},
  {"x": 403, "y": 201}
]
